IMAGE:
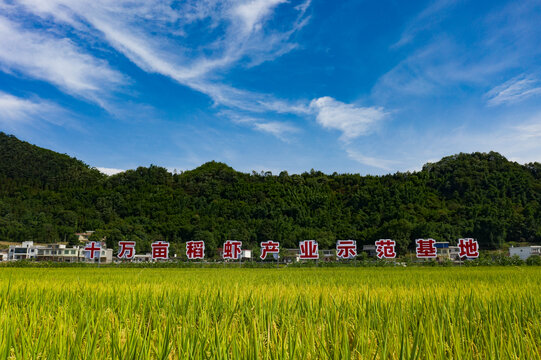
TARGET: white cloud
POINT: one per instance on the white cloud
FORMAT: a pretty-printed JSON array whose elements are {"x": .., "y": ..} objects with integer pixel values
[
  {"x": 57, "y": 60},
  {"x": 154, "y": 36},
  {"x": 15, "y": 110},
  {"x": 514, "y": 90},
  {"x": 278, "y": 129},
  {"x": 506, "y": 39},
  {"x": 439, "y": 66},
  {"x": 529, "y": 131},
  {"x": 252, "y": 12},
  {"x": 353, "y": 121},
  {"x": 518, "y": 138},
  {"x": 109, "y": 171},
  {"x": 383, "y": 164},
  {"x": 159, "y": 38},
  {"x": 425, "y": 21}
]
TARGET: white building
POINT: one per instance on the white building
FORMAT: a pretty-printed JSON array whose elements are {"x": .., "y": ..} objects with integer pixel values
[
  {"x": 454, "y": 252},
  {"x": 446, "y": 251},
  {"x": 62, "y": 253},
  {"x": 56, "y": 252},
  {"x": 327, "y": 255},
  {"x": 524, "y": 252},
  {"x": 142, "y": 257},
  {"x": 442, "y": 249},
  {"x": 3, "y": 255},
  {"x": 246, "y": 254},
  {"x": 26, "y": 251}
]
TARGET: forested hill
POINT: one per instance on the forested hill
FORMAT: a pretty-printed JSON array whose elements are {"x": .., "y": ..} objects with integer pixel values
[
  {"x": 46, "y": 197},
  {"x": 41, "y": 167}
]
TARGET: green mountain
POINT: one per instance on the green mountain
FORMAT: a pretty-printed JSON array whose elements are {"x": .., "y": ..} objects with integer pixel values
[
  {"x": 42, "y": 167},
  {"x": 46, "y": 197}
]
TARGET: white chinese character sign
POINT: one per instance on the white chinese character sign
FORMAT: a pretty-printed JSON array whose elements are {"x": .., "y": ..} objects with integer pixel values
[
  {"x": 269, "y": 247},
  {"x": 385, "y": 249},
  {"x": 308, "y": 250},
  {"x": 469, "y": 248},
  {"x": 126, "y": 250},
  {"x": 92, "y": 248},
  {"x": 346, "y": 249},
  {"x": 426, "y": 249},
  {"x": 160, "y": 250},
  {"x": 195, "y": 250},
  {"x": 232, "y": 250}
]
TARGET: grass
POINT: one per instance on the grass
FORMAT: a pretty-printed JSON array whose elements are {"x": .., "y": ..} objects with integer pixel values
[{"x": 304, "y": 313}]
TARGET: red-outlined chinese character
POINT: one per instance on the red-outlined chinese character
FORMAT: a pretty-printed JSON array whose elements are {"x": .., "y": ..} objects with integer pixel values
[
  {"x": 269, "y": 247},
  {"x": 308, "y": 249},
  {"x": 425, "y": 248},
  {"x": 127, "y": 250},
  {"x": 160, "y": 250},
  {"x": 195, "y": 249},
  {"x": 468, "y": 248},
  {"x": 232, "y": 249},
  {"x": 385, "y": 248},
  {"x": 93, "y": 247},
  {"x": 346, "y": 249}
]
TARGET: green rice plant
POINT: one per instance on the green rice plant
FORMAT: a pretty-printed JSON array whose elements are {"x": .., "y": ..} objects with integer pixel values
[{"x": 282, "y": 313}]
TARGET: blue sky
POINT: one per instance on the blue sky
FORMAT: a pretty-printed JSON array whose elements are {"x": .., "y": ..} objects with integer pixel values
[{"x": 370, "y": 87}]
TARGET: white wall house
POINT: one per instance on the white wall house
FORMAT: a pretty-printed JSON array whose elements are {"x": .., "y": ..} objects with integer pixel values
[
  {"x": 56, "y": 252},
  {"x": 26, "y": 251},
  {"x": 442, "y": 249},
  {"x": 142, "y": 257},
  {"x": 524, "y": 252},
  {"x": 454, "y": 253}
]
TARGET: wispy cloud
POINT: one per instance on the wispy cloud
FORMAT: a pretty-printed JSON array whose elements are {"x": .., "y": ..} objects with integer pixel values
[
  {"x": 517, "y": 89},
  {"x": 429, "y": 17},
  {"x": 439, "y": 66},
  {"x": 518, "y": 138},
  {"x": 109, "y": 171},
  {"x": 352, "y": 120},
  {"x": 251, "y": 13},
  {"x": 278, "y": 129},
  {"x": 45, "y": 56},
  {"x": 448, "y": 70},
  {"x": 194, "y": 43},
  {"x": 15, "y": 111},
  {"x": 281, "y": 130},
  {"x": 143, "y": 32},
  {"x": 529, "y": 131},
  {"x": 378, "y": 163},
  {"x": 504, "y": 40}
]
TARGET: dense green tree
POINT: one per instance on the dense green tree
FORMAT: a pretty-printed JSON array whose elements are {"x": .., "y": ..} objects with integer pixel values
[{"x": 46, "y": 197}]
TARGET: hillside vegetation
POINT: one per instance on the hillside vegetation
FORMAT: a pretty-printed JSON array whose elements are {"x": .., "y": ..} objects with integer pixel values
[{"x": 46, "y": 197}]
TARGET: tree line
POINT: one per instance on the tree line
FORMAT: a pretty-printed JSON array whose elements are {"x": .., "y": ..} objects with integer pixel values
[{"x": 47, "y": 197}]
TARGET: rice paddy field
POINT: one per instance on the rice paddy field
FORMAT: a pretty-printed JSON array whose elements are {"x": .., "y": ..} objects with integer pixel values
[{"x": 288, "y": 313}]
